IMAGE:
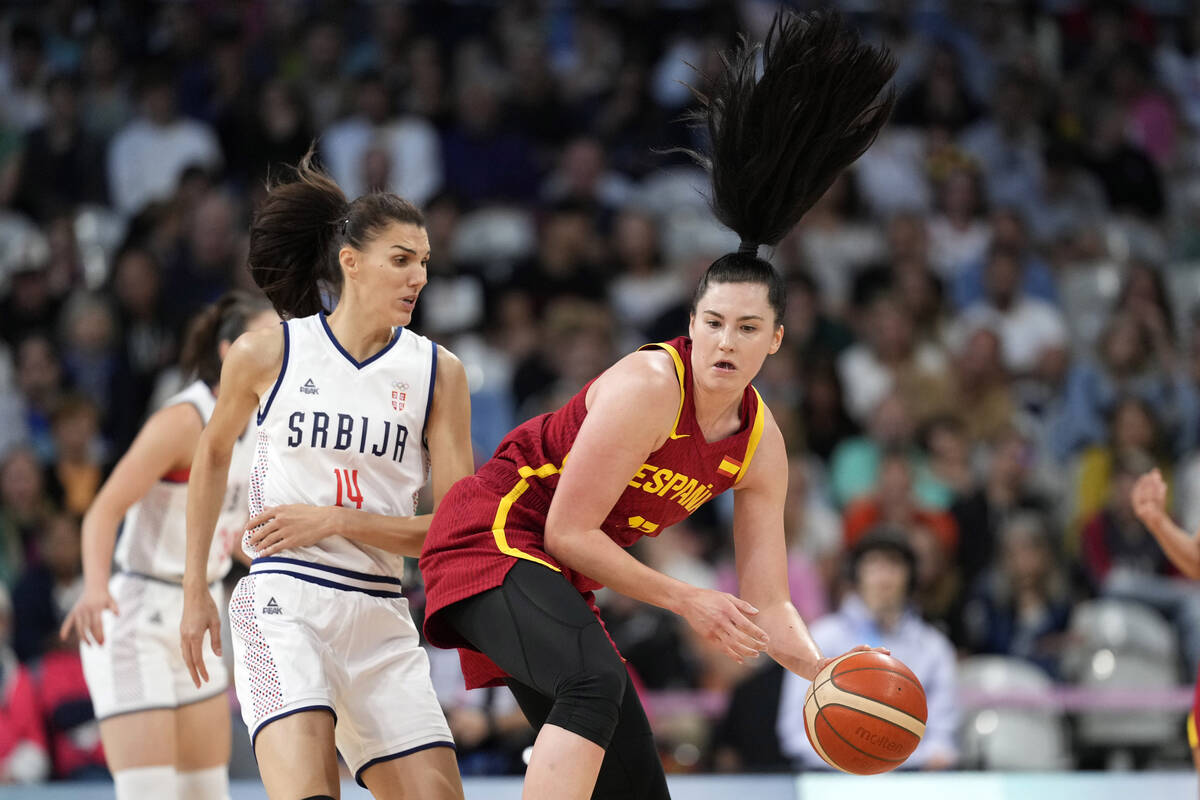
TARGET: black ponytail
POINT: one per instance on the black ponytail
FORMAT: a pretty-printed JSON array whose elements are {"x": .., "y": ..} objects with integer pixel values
[
  {"x": 779, "y": 141},
  {"x": 223, "y": 321},
  {"x": 301, "y": 226}
]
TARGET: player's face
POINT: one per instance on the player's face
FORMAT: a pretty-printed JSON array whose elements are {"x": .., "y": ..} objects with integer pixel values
[
  {"x": 392, "y": 271},
  {"x": 733, "y": 331}
]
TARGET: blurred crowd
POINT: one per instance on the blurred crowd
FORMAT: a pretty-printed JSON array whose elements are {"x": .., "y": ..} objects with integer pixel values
[{"x": 993, "y": 319}]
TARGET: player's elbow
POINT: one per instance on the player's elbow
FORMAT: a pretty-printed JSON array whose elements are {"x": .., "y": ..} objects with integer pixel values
[{"x": 559, "y": 541}]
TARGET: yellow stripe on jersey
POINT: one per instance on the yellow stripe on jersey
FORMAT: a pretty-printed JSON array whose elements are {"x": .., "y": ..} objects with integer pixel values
[
  {"x": 729, "y": 466},
  {"x": 755, "y": 436},
  {"x": 506, "y": 503},
  {"x": 679, "y": 371},
  {"x": 1193, "y": 741}
]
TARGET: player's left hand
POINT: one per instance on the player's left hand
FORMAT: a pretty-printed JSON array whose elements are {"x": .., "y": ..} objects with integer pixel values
[
  {"x": 280, "y": 528},
  {"x": 862, "y": 648}
]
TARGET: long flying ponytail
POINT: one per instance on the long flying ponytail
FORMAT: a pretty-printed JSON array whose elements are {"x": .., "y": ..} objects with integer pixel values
[
  {"x": 779, "y": 141},
  {"x": 293, "y": 239}
]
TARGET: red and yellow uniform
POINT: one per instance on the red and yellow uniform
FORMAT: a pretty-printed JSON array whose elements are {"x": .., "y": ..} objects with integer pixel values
[{"x": 489, "y": 520}]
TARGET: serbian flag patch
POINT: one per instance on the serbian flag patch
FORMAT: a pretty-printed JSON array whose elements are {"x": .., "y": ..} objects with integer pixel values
[{"x": 729, "y": 466}]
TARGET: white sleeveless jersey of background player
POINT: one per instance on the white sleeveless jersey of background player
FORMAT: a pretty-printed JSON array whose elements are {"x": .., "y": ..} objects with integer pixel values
[
  {"x": 152, "y": 540},
  {"x": 334, "y": 431}
]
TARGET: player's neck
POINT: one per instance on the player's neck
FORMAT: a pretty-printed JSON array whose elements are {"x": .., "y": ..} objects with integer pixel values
[
  {"x": 357, "y": 335},
  {"x": 718, "y": 413}
]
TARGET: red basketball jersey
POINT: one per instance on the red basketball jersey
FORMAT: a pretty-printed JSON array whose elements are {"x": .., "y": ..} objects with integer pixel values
[{"x": 488, "y": 520}]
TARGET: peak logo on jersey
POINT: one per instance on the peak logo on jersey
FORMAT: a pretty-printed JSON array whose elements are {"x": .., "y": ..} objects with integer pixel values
[
  {"x": 309, "y": 387},
  {"x": 399, "y": 395},
  {"x": 156, "y": 618},
  {"x": 272, "y": 607}
]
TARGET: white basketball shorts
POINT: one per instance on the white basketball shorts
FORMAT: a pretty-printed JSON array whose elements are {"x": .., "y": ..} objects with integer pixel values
[
  {"x": 310, "y": 637},
  {"x": 140, "y": 666}
]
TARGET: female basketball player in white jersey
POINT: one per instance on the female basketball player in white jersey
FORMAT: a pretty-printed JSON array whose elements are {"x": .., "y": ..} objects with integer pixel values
[
  {"x": 162, "y": 736},
  {"x": 352, "y": 410}
]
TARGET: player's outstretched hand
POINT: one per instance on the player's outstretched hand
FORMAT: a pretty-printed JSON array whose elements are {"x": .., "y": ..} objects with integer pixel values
[
  {"x": 87, "y": 616},
  {"x": 1149, "y": 497},
  {"x": 283, "y": 527},
  {"x": 725, "y": 620},
  {"x": 200, "y": 616},
  {"x": 862, "y": 648}
]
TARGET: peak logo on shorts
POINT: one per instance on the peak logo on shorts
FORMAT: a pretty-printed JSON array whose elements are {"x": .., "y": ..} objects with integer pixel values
[{"x": 272, "y": 607}]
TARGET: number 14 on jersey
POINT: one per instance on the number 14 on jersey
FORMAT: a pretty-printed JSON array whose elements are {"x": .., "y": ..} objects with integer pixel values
[{"x": 349, "y": 479}]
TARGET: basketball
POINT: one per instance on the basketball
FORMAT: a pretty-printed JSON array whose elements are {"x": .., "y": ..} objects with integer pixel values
[{"x": 865, "y": 713}]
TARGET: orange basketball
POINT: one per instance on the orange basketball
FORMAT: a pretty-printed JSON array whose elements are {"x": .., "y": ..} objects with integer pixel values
[{"x": 865, "y": 713}]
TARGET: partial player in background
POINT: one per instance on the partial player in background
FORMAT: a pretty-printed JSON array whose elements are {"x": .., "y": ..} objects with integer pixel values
[
  {"x": 516, "y": 551},
  {"x": 353, "y": 411},
  {"x": 163, "y": 737},
  {"x": 1149, "y": 497}
]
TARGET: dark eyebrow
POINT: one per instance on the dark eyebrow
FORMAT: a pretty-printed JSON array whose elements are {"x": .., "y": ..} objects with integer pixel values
[
  {"x": 740, "y": 319},
  {"x": 405, "y": 249}
]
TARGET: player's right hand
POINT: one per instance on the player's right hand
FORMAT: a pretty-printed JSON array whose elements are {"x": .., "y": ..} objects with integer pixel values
[
  {"x": 87, "y": 615},
  {"x": 200, "y": 616},
  {"x": 1149, "y": 497},
  {"x": 724, "y": 619}
]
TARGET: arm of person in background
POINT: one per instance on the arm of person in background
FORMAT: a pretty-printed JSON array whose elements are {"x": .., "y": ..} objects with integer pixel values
[
  {"x": 250, "y": 368},
  {"x": 631, "y": 411},
  {"x": 165, "y": 443},
  {"x": 1149, "y": 497},
  {"x": 449, "y": 440},
  {"x": 761, "y": 552},
  {"x": 939, "y": 745}
]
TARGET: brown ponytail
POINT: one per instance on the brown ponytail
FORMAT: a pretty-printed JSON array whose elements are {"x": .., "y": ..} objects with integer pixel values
[
  {"x": 296, "y": 235},
  {"x": 223, "y": 321}
]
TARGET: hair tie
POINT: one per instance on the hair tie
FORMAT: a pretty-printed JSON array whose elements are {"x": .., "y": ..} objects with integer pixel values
[
  {"x": 748, "y": 249},
  {"x": 345, "y": 223}
]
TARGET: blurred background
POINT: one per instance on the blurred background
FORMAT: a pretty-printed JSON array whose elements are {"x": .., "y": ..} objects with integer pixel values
[{"x": 993, "y": 326}]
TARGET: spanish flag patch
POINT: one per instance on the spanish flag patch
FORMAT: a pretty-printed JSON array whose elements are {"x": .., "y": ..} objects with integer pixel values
[{"x": 729, "y": 466}]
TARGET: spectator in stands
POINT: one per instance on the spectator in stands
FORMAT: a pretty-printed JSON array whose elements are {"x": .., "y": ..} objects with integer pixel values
[
  {"x": 1132, "y": 361},
  {"x": 31, "y": 305},
  {"x": 107, "y": 104},
  {"x": 959, "y": 233},
  {"x": 1132, "y": 429},
  {"x": 407, "y": 144},
  {"x": 67, "y": 714},
  {"x": 59, "y": 165},
  {"x": 583, "y": 176},
  {"x": 78, "y": 469},
  {"x": 824, "y": 421},
  {"x": 484, "y": 159},
  {"x": 893, "y": 503},
  {"x": 948, "y": 457},
  {"x": 22, "y": 95},
  {"x": 1030, "y": 329},
  {"x": 24, "y": 511},
  {"x": 1008, "y": 144},
  {"x": 1009, "y": 231},
  {"x": 24, "y": 757},
  {"x": 148, "y": 156},
  {"x": 891, "y": 359},
  {"x": 48, "y": 589},
  {"x": 883, "y": 569},
  {"x": 645, "y": 288},
  {"x": 985, "y": 404},
  {"x": 89, "y": 348},
  {"x": 1131, "y": 181},
  {"x": 1020, "y": 606}
]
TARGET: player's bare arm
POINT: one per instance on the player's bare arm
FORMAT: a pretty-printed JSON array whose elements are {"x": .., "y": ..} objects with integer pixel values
[
  {"x": 249, "y": 369},
  {"x": 285, "y": 527},
  {"x": 631, "y": 410},
  {"x": 1149, "y": 498},
  {"x": 166, "y": 442}
]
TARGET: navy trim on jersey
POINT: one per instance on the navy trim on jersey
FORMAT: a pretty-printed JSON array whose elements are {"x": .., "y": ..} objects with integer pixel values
[
  {"x": 358, "y": 775},
  {"x": 432, "y": 383},
  {"x": 328, "y": 584},
  {"x": 262, "y": 415},
  {"x": 269, "y": 720},
  {"x": 395, "y": 338},
  {"x": 346, "y": 573}
]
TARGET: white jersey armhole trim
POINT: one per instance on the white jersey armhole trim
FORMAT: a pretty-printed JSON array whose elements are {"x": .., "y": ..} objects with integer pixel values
[{"x": 262, "y": 415}]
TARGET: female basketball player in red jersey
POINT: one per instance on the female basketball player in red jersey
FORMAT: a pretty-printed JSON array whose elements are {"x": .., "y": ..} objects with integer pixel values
[
  {"x": 515, "y": 551},
  {"x": 354, "y": 410},
  {"x": 162, "y": 736}
]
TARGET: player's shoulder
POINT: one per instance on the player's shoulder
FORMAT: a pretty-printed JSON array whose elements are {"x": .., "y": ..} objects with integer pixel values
[
  {"x": 261, "y": 349},
  {"x": 652, "y": 372}
]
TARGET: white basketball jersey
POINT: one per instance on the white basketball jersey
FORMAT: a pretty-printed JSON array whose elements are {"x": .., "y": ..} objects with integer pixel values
[
  {"x": 154, "y": 537},
  {"x": 336, "y": 432}
]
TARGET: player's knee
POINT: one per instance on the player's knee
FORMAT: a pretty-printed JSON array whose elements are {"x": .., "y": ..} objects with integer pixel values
[{"x": 588, "y": 703}]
